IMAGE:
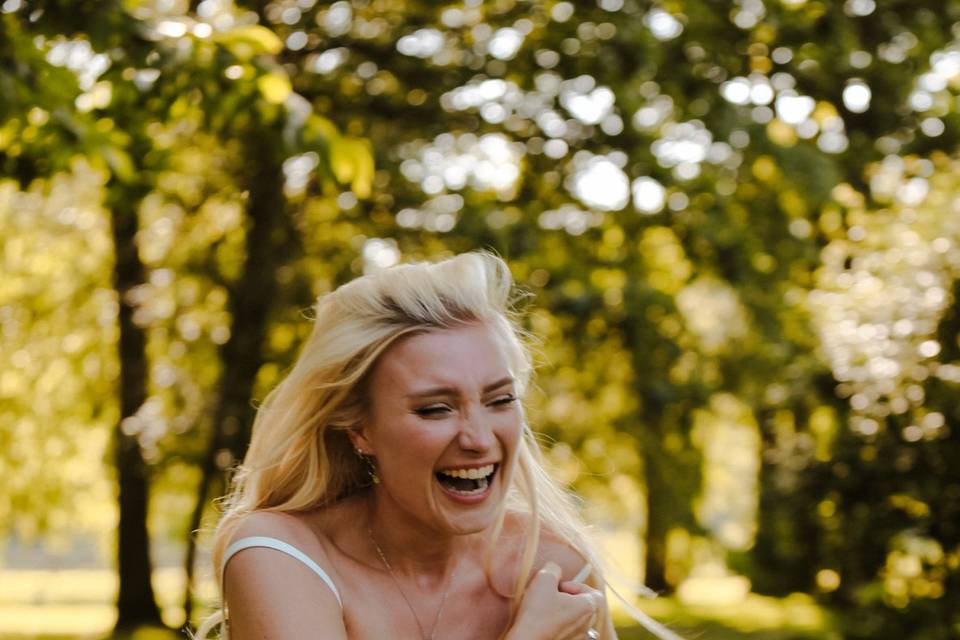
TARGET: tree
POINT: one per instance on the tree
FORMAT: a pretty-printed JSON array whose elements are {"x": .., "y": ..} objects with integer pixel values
[
  {"x": 154, "y": 76},
  {"x": 678, "y": 184},
  {"x": 751, "y": 119}
]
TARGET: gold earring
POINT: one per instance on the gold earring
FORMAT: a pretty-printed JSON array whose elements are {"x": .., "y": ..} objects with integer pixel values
[{"x": 368, "y": 459}]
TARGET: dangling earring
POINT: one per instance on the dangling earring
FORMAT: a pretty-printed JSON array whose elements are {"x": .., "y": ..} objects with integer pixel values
[{"x": 368, "y": 460}]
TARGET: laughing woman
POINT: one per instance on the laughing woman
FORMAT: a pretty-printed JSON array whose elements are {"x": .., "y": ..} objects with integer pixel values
[{"x": 393, "y": 488}]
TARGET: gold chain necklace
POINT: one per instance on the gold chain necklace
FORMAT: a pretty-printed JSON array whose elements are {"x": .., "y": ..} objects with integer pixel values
[{"x": 443, "y": 599}]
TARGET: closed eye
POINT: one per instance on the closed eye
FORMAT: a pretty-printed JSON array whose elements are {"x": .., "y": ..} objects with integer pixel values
[
  {"x": 432, "y": 411},
  {"x": 504, "y": 401}
]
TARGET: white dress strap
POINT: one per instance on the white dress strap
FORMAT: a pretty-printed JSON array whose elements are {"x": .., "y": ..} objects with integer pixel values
[{"x": 283, "y": 547}]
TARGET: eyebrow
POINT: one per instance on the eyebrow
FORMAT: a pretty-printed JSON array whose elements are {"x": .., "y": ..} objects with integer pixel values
[{"x": 451, "y": 391}]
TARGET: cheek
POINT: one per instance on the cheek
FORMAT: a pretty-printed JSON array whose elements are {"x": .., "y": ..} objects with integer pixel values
[
  {"x": 413, "y": 444},
  {"x": 509, "y": 430}
]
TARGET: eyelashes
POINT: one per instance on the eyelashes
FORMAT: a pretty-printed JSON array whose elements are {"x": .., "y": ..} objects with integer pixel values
[
  {"x": 432, "y": 412},
  {"x": 505, "y": 400},
  {"x": 442, "y": 410}
]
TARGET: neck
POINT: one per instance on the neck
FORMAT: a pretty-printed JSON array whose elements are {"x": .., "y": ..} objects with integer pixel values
[{"x": 412, "y": 547}]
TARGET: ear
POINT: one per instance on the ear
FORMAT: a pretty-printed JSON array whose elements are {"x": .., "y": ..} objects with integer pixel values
[{"x": 361, "y": 443}]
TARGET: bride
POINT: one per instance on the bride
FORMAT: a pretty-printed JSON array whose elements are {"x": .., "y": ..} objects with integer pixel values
[{"x": 393, "y": 489}]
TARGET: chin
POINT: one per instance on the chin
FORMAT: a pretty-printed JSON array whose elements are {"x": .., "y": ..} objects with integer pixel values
[{"x": 478, "y": 523}]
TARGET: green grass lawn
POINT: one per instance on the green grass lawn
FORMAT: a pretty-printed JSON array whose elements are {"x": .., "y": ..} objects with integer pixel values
[
  {"x": 754, "y": 618},
  {"x": 76, "y": 605}
]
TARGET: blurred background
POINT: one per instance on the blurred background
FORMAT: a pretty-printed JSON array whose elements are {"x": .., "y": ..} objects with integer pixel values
[{"x": 738, "y": 223}]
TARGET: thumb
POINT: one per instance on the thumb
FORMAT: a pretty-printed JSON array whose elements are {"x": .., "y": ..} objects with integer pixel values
[
  {"x": 549, "y": 574},
  {"x": 575, "y": 588}
]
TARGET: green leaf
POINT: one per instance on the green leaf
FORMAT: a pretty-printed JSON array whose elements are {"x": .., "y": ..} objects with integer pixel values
[
  {"x": 119, "y": 162},
  {"x": 251, "y": 40},
  {"x": 352, "y": 162},
  {"x": 274, "y": 87}
]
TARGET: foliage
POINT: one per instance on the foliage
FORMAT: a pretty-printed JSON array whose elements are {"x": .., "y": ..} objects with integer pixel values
[
  {"x": 57, "y": 365},
  {"x": 736, "y": 219}
]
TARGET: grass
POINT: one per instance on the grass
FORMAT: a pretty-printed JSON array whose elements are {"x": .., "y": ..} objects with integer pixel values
[
  {"x": 754, "y": 617},
  {"x": 76, "y": 605}
]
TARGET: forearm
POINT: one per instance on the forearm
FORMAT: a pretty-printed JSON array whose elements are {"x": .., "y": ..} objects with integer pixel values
[
  {"x": 516, "y": 632},
  {"x": 519, "y": 630}
]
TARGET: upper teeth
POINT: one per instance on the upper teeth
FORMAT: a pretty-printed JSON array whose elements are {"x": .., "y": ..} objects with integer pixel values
[{"x": 472, "y": 474}]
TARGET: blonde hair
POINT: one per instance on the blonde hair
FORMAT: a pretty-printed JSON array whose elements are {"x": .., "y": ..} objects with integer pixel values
[{"x": 300, "y": 457}]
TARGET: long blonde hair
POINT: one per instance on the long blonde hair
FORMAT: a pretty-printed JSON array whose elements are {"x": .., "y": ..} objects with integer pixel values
[{"x": 300, "y": 457}]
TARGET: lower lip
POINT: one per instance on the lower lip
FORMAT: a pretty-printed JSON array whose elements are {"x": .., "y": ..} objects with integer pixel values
[{"x": 473, "y": 498}]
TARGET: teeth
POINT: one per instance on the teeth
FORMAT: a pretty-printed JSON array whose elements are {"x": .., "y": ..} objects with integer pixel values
[
  {"x": 471, "y": 474},
  {"x": 482, "y": 485}
]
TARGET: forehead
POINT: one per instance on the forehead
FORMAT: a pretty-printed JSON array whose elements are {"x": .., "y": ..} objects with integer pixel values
[{"x": 471, "y": 354}]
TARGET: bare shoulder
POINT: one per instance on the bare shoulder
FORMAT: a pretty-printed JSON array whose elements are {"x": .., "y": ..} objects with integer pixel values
[
  {"x": 553, "y": 548},
  {"x": 550, "y": 547},
  {"x": 269, "y": 593},
  {"x": 289, "y": 527},
  {"x": 296, "y": 529}
]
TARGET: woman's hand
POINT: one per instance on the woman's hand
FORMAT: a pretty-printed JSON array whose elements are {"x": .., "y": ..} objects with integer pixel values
[{"x": 554, "y": 610}]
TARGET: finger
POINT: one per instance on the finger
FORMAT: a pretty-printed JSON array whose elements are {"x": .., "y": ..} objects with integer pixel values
[
  {"x": 591, "y": 602},
  {"x": 549, "y": 574},
  {"x": 599, "y": 603},
  {"x": 575, "y": 588},
  {"x": 584, "y": 604}
]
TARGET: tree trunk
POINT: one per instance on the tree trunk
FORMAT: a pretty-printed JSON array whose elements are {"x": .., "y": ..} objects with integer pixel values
[
  {"x": 655, "y": 546},
  {"x": 268, "y": 243},
  {"x": 136, "y": 605},
  {"x": 671, "y": 478}
]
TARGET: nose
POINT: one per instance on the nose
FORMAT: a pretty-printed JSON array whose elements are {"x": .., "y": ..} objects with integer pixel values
[{"x": 475, "y": 433}]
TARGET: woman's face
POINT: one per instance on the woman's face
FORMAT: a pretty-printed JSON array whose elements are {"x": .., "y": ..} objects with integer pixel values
[{"x": 444, "y": 424}]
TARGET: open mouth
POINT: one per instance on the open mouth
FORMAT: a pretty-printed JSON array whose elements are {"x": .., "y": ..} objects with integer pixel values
[{"x": 467, "y": 482}]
